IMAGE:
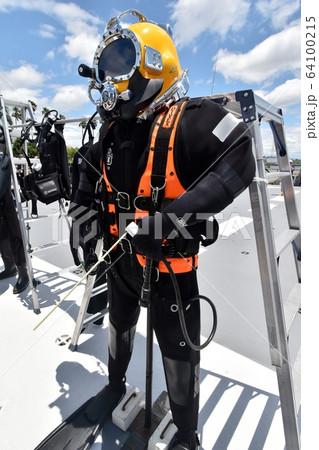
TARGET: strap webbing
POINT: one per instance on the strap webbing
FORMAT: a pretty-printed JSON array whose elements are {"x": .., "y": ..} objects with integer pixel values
[{"x": 162, "y": 147}]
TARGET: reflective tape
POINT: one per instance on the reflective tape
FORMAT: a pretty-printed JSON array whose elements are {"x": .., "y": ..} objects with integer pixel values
[{"x": 225, "y": 127}]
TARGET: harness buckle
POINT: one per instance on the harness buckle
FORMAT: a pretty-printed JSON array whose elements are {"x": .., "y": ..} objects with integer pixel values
[
  {"x": 126, "y": 246},
  {"x": 156, "y": 273},
  {"x": 155, "y": 191},
  {"x": 155, "y": 195},
  {"x": 123, "y": 200},
  {"x": 140, "y": 202},
  {"x": 108, "y": 260}
]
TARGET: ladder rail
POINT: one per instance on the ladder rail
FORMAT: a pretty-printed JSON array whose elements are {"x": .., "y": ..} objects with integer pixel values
[
  {"x": 266, "y": 253},
  {"x": 26, "y": 114},
  {"x": 24, "y": 107},
  {"x": 275, "y": 322},
  {"x": 288, "y": 191},
  {"x": 273, "y": 302},
  {"x": 80, "y": 321},
  {"x": 252, "y": 110}
]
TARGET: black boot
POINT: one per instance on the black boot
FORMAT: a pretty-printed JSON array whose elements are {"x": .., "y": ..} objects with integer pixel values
[
  {"x": 8, "y": 272},
  {"x": 183, "y": 441},
  {"x": 10, "y": 268},
  {"x": 23, "y": 279},
  {"x": 104, "y": 402}
]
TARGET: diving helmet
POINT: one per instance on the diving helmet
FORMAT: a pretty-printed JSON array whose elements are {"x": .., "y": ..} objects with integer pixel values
[{"x": 136, "y": 69}]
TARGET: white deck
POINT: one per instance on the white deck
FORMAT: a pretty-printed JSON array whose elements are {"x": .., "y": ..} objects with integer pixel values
[{"x": 42, "y": 382}]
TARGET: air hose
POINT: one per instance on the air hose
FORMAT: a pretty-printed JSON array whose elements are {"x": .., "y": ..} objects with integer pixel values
[
  {"x": 145, "y": 294},
  {"x": 181, "y": 315}
]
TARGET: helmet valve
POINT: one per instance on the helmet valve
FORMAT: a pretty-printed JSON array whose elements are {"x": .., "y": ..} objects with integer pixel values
[{"x": 109, "y": 96}]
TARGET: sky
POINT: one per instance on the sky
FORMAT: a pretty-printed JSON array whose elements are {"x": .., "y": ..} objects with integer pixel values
[{"x": 226, "y": 46}]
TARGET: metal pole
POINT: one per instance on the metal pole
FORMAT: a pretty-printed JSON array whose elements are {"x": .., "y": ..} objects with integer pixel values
[{"x": 145, "y": 301}]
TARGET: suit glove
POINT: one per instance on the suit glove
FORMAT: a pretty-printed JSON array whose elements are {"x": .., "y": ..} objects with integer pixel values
[{"x": 152, "y": 230}]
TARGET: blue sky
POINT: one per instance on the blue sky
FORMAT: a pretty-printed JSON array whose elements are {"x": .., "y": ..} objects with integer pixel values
[{"x": 240, "y": 44}]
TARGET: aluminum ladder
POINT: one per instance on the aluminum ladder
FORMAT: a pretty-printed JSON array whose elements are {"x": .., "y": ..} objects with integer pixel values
[
  {"x": 89, "y": 291},
  {"x": 26, "y": 109},
  {"x": 280, "y": 313}
]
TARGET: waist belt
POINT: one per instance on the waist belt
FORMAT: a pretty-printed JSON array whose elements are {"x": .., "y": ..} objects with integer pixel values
[{"x": 180, "y": 265}]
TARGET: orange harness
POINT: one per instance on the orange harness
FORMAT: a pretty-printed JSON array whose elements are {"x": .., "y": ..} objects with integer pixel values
[{"x": 167, "y": 185}]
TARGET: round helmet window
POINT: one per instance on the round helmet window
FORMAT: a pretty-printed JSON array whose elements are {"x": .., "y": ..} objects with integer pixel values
[{"x": 117, "y": 59}]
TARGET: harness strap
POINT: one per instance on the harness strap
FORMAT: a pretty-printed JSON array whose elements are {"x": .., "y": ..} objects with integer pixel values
[
  {"x": 158, "y": 185},
  {"x": 164, "y": 144}
]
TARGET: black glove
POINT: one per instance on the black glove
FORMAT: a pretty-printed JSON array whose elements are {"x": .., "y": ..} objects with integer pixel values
[
  {"x": 83, "y": 233},
  {"x": 90, "y": 258},
  {"x": 152, "y": 230},
  {"x": 74, "y": 246}
]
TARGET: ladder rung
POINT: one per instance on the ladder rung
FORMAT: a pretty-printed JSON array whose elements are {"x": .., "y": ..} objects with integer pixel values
[
  {"x": 34, "y": 219},
  {"x": 95, "y": 317},
  {"x": 292, "y": 306},
  {"x": 16, "y": 103},
  {"x": 99, "y": 289},
  {"x": 273, "y": 176},
  {"x": 284, "y": 239}
]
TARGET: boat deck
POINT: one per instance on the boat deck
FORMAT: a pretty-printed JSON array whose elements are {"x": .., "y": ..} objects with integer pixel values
[{"x": 42, "y": 381}]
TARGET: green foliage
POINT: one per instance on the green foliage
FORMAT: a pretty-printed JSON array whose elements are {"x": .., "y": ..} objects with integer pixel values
[
  {"x": 32, "y": 150},
  {"x": 45, "y": 111},
  {"x": 16, "y": 114},
  {"x": 9, "y": 118},
  {"x": 17, "y": 148},
  {"x": 71, "y": 151},
  {"x": 33, "y": 105}
]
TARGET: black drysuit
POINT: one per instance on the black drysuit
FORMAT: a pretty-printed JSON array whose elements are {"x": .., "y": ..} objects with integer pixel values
[
  {"x": 11, "y": 244},
  {"x": 206, "y": 132}
]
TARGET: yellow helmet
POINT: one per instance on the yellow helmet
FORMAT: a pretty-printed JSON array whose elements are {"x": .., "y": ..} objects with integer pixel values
[{"x": 136, "y": 69}]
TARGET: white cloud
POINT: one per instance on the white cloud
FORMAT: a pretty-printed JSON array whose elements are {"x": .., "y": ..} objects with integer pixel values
[
  {"x": 278, "y": 11},
  {"x": 293, "y": 141},
  {"x": 73, "y": 134},
  {"x": 81, "y": 46},
  {"x": 288, "y": 93},
  {"x": 277, "y": 54},
  {"x": 26, "y": 75},
  {"x": 68, "y": 13},
  {"x": 212, "y": 16},
  {"x": 71, "y": 16},
  {"x": 21, "y": 94},
  {"x": 199, "y": 81},
  {"x": 50, "y": 54},
  {"x": 46, "y": 31},
  {"x": 69, "y": 98}
]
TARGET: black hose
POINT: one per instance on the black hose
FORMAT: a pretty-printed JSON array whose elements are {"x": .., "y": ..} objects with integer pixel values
[{"x": 181, "y": 311}]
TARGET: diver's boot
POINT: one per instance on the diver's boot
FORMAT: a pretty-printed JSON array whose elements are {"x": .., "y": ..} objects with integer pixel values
[
  {"x": 184, "y": 441},
  {"x": 8, "y": 272},
  {"x": 23, "y": 279},
  {"x": 104, "y": 402},
  {"x": 10, "y": 268}
]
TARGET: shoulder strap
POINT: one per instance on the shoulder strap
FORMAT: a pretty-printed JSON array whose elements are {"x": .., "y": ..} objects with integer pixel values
[{"x": 168, "y": 126}]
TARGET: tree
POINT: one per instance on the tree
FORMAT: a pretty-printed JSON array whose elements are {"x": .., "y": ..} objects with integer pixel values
[
  {"x": 45, "y": 111},
  {"x": 9, "y": 118},
  {"x": 17, "y": 148},
  {"x": 17, "y": 114},
  {"x": 71, "y": 151},
  {"x": 83, "y": 125},
  {"x": 33, "y": 105}
]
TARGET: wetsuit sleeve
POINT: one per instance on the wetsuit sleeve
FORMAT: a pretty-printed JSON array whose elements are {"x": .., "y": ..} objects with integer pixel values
[{"x": 215, "y": 162}]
